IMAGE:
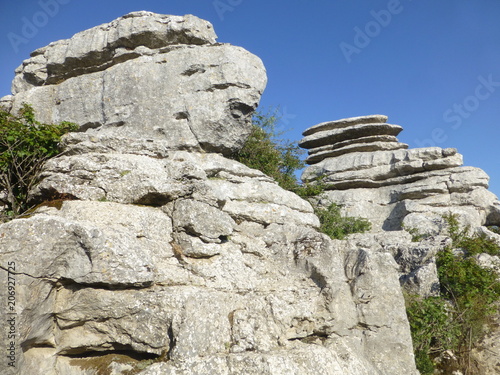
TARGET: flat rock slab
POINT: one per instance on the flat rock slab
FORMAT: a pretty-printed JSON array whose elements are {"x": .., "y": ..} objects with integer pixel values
[
  {"x": 349, "y": 132},
  {"x": 101, "y": 46},
  {"x": 343, "y": 123},
  {"x": 356, "y": 147},
  {"x": 371, "y": 169},
  {"x": 369, "y": 139}
]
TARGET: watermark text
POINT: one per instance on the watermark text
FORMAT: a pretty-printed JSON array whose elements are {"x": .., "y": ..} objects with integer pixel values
[
  {"x": 30, "y": 26},
  {"x": 11, "y": 316}
]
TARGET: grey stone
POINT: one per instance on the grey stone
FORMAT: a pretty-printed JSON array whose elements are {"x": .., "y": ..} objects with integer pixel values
[
  {"x": 285, "y": 299},
  {"x": 486, "y": 352},
  {"x": 379, "y": 168},
  {"x": 6, "y": 103},
  {"x": 373, "y": 281},
  {"x": 419, "y": 201},
  {"x": 348, "y": 142},
  {"x": 108, "y": 177},
  {"x": 356, "y": 147},
  {"x": 148, "y": 243},
  {"x": 372, "y": 119},
  {"x": 351, "y": 132},
  {"x": 202, "y": 220},
  {"x": 485, "y": 355},
  {"x": 124, "y": 100},
  {"x": 91, "y": 243},
  {"x": 111, "y": 43}
]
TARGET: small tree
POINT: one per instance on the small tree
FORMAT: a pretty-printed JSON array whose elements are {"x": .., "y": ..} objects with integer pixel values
[
  {"x": 266, "y": 151},
  {"x": 25, "y": 144}
]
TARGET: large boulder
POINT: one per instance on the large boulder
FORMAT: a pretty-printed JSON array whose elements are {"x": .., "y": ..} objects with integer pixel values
[
  {"x": 149, "y": 76},
  {"x": 208, "y": 265},
  {"x": 150, "y": 252}
]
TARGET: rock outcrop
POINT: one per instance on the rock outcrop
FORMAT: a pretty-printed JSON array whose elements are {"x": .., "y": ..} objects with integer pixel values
[
  {"x": 370, "y": 174},
  {"x": 365, "y": 169},
  {"x": 144, "y": 76},
  {"x": 152, "y": 253}
]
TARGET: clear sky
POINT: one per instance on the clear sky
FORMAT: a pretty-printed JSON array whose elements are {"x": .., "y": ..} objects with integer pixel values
[{"x": 432, "y": 66}]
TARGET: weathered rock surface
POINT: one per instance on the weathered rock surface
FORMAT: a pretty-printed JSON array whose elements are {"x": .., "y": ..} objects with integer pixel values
[
  {"x": 146, "y": 76},
  {"x": 355, "y": 134},
  {"x": 350, "y": 132},
  {"x": 346, "y": 122},
  {"x": 110, "y": 44},
  {"x": 413, "y": 189},
  {"x": 240, "y": 289},
  {"x": 486, "y": 355},
  {"x": 395, "y": 187},
  {"x": 318, "y": 156},
  {"x": 151, "y": 254}
]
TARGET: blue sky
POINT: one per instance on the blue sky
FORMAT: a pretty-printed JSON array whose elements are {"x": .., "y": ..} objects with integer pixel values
[{"x": 432, "y": 66}]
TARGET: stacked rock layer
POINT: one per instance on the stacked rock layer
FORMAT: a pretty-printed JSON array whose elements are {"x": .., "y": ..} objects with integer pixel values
[
  {"x": 365, "y": 169},
  {"x": 357, "y": 134},
  {"x": 151, "y": 253}
]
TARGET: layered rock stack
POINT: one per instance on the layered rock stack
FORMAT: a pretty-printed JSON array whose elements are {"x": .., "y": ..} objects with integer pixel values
[
  {"x": 365, "y": 169},
  {"x": 152, "y": 253},
  {"x": 356, "y": 134}
]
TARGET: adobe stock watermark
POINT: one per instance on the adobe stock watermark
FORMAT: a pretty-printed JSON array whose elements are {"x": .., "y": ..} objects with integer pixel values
[
  {"x": 456, "y": 114},
  {"x": 224, "y": 6},
  {"x": 363, "y": 36},
  {"x": 30, "y": 26},
  {"x": 284, "y": 118}
]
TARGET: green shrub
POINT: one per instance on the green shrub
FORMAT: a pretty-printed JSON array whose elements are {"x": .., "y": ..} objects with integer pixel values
[
  {"x": 416, "y": 235},
  {"x": 432, "y": 327},
  {"x": 468, "y": 292},
  {"x": 265, "y": 151},
  {"x": 280, "y": 159},
  {"x": 473, "y": 244},
  {"x": 310, "y": 189},
  {"x": 337, "y": 226},
  {"x": 25, "y": 144}
]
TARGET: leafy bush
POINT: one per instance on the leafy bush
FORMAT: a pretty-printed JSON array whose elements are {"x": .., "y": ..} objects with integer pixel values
[
  {"x": 310, "y": 190},
  {"x": 456, "y": 320},
  {"x": 25, "y": 144},
  {"x": 473, "y": 244},
  {"x": 265, "y": 151},
  {"x": 433, "y": 329},
  {"x": 416, "y": 235},
  {"x": 280, "y": 159},
  {"x": 337, "y": 226}
]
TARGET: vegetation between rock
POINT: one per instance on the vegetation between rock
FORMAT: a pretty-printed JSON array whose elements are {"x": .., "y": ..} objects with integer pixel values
[
  {"x": 266, "y": 151},
  {"x": 280, "y": 159},
  {"x": 455, "y": 321},
  {"x": 25, "y": 145},
  {"x": 337, "y": 226}
]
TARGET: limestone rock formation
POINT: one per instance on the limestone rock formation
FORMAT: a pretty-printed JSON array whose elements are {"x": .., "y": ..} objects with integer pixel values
[
  {"x": 370, "y": 174},
  {"x": 151, "y": 253},
  {"x": 144, "y": 76},
  {"x": 334, "y": 138},
  {"x": 391, "y": 185}
]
